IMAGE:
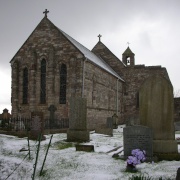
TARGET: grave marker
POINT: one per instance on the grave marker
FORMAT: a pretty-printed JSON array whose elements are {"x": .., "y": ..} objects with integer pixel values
[
  {"x": 78, "y": 120},
  {"x": 138, "y": 137},
  {"x": 156, "y": 106},
  {"x": 37, "y": 125}
]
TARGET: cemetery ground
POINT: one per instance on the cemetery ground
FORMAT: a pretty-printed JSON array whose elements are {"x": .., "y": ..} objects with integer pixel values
[{"x": 63, "y": 162}]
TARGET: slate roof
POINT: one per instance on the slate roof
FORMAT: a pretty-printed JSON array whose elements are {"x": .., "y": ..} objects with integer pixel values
[
  {"x": 127, "y": 51},
  {"x": 91, "y": 56}
]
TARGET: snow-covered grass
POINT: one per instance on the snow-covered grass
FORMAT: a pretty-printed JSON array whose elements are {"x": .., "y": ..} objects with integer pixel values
[{"x": 65, "y": 163}]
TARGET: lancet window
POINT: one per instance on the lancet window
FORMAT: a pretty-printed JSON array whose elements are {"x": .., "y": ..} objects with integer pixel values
[{"x": 63, "y": 79}]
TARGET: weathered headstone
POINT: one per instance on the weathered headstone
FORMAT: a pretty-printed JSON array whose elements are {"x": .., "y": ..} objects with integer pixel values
[
  {"x": 37, "y": 126},
  {"x": 78, "y": 120},
  {"x": 109, "y": 122},
  {"x": 138, "y": 137},
  {"x": 115, "y": 121},
  {"x": 156, "y": 111},
  {"x": 52, "y": 109},
  {"x": 103, "y": 129}
]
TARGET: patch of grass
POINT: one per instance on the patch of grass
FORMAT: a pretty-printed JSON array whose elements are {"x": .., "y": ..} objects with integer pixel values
[
  {"x": 140, "y": 177},
  {"x": 65, "y": 145}
]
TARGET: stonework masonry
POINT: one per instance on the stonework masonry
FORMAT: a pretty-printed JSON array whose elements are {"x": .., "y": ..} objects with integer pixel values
[
  {"x": 102, "y": 90},
  {"x": 108, "y": 92}
]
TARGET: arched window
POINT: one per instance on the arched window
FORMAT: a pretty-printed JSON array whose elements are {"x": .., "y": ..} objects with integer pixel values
[
  {"x": 25, "y": 86},
  {"x": 43, "y": 82},
  {"x": 63, "y": 77}
]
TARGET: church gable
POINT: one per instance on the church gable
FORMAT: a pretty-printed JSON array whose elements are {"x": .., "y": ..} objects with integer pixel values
[
  {"x": 45, "y": 37},
  {"x": 101, "y": 50}
]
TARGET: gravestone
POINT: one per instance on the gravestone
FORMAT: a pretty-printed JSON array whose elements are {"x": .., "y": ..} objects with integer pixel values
[
  {"x": 115, "y": 121},
  {"x": 107, "y": 128},
  {"x": 156, "y": 105},
  {"x": 37, "y": 126},
  {"x": 52, "y": 109},
  {"x": 138, "y": 137},
  {"x": 78, "y": 120},
  {"x": 103, "y": 129},
  {"x": 109, "y": 122}
]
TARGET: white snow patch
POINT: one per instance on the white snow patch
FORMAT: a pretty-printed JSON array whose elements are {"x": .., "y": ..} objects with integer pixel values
[{"x": 68, "y": 164}]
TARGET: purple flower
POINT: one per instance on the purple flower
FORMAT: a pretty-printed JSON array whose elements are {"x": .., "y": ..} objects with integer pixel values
[
  {"x": 132, "y": 160},
  {"x": 137, "y": 157}
]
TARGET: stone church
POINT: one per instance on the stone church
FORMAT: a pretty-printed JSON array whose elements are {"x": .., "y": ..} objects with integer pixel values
[{"x": 51, "y": 66}]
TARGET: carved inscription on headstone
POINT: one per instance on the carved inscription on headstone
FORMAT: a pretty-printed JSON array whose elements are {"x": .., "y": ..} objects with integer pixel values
[
  {"x": 137, "y": 137},
  {"x": 37, "y": 124},
  {"x": 78, "y": 112}
]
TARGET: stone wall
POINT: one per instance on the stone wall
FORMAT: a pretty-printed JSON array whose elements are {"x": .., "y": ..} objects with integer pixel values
[
  {"x": 104, "y": 95},
  {"x": 48, "y": 43}
]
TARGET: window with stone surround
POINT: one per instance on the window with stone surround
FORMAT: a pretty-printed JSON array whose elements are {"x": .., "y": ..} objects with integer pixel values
[
  {"x": 43, "y": 82},
  {"x": 25, "y": 86},
  {"x": 63, "y": 78}
]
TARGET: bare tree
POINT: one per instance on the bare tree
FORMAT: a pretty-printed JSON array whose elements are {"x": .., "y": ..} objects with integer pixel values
[{"x": 177, "y": 93}]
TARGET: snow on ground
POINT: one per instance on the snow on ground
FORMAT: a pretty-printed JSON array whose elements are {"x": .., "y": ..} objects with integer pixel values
[{"x": 69, "y": 164}]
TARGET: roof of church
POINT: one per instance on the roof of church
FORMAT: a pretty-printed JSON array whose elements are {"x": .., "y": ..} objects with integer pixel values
[
  {"x": 91, "y": 56},
  {"x": 128, "y": 51},
  {"x": 86, "y": 52}
]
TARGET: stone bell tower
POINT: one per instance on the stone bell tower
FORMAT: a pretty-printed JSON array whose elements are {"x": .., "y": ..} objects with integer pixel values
[{"x": 128, "y": 57}]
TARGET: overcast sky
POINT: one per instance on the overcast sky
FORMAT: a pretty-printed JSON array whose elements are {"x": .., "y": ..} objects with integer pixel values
[{"x": 152, "y": 27}]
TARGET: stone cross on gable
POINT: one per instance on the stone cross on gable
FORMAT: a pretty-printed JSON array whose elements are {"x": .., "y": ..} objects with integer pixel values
[
  {"x": 99, "y": 36},
  {"x": 52, "y": 109},
  {"x": 45, "y": 12},
  {"x": 128, "y": 43}
]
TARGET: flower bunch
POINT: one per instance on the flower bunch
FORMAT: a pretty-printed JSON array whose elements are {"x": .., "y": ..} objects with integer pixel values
[{"x": 137, "y": 157}]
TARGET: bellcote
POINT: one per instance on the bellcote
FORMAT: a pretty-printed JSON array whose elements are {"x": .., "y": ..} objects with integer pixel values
[{"x": 128, "y": 57}]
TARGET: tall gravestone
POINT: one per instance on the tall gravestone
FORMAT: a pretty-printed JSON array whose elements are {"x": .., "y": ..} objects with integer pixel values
[
  {"x": 78, "y": 120},
  {"x": 138, "y": 137},
  {"x": 37, "y": 126},
  {"x": 156, "y": 111}
]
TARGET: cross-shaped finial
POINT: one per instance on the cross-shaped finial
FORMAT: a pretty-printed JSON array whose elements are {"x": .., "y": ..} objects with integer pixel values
[
  {"x": 128, "y": 44},
  {"x": 99, "y": 36},
  {"x": 45, "y": 12}
]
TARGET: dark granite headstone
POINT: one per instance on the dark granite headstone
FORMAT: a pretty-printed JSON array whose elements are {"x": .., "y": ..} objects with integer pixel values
[
  {"x": 37, "y": 126},
  {"x": 138, "y": 137}
]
